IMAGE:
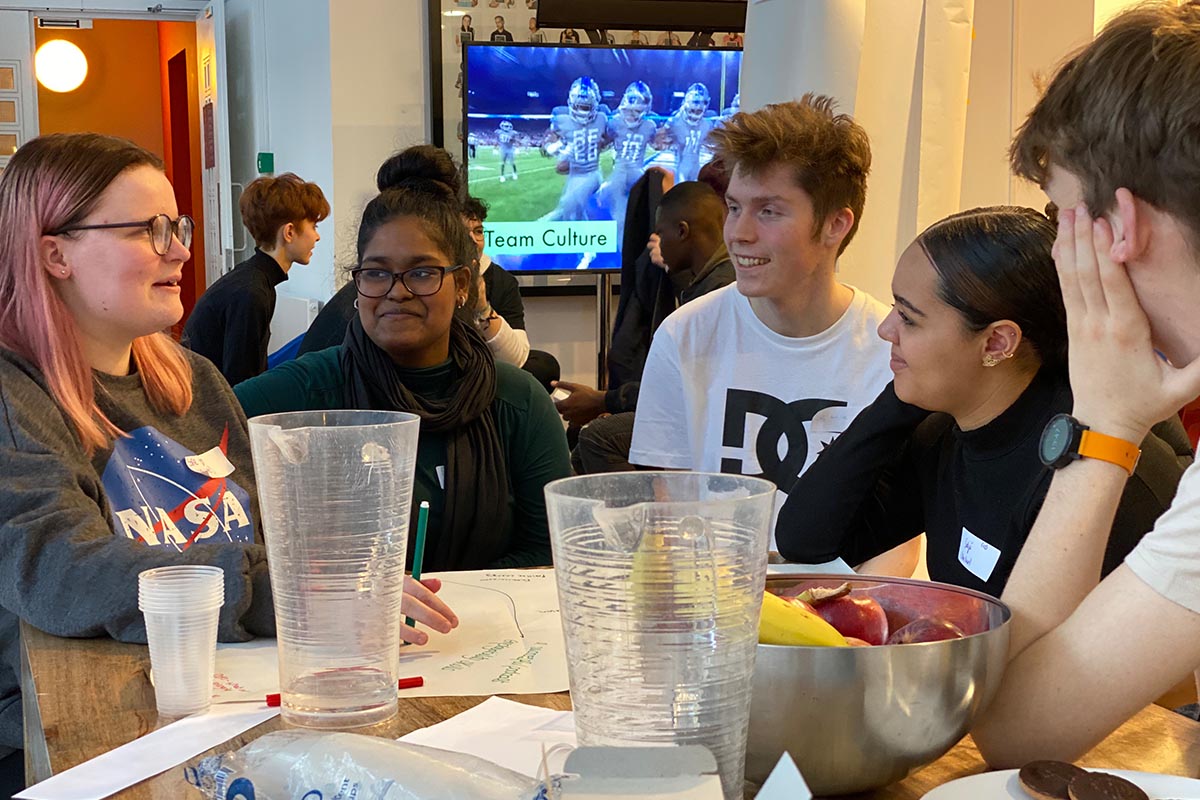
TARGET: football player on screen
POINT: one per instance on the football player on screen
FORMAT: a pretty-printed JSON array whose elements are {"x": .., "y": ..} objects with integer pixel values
[
  {"x": 630, "y": 132},
  {"x": 576, "y": 137},
  {"x": 506, "y": 139},
  {"x": 734, "y": 108},
  {"x": 686, "y": 131}
]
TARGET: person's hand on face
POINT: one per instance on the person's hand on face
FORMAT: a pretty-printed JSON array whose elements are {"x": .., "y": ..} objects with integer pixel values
[
  {"x": 655, "y": 248},
  {"x": 1121, "y": 385},
  {"x": 421, "y": 602},
  {"x": 584, "y": 404}
]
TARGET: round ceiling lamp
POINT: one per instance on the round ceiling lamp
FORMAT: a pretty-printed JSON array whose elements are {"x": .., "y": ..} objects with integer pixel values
[{"x": 60, "y": 65}]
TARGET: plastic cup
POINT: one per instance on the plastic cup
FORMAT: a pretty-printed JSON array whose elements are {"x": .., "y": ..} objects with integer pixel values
[
  {"x": 660, "y": 583},
  {"x": 182, "y": 608},
  {"x": 335, "y": 489}
]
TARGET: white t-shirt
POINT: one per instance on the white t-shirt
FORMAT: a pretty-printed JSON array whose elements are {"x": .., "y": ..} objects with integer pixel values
[
  {"x": 722, "y": 392},
  {"x": 1166, "y": 557}
]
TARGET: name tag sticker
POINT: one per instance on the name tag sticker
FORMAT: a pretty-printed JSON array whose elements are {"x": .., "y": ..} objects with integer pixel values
[
  {"x": 212, "y": 464},
  {"x": 977, "y": 556}
]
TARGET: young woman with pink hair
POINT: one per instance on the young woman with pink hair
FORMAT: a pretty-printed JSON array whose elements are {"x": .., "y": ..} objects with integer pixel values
[{"x": 120, "y": 451}]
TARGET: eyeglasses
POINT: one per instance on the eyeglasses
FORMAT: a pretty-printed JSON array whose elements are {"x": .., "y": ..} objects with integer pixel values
[
  {"x": 160, "y": 227},
  {"x": 421, "y": 281}
]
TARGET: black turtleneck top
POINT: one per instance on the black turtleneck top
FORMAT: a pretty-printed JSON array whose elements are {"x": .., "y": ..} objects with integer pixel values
[
  {"x": 899, "y": 470},
  {"x": 231, "y": 323}
]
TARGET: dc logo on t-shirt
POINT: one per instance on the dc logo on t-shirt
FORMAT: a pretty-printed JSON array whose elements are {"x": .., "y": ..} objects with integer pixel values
[
  {"x": 164, "y": 495},
  {"x": 782, "y": 423}
]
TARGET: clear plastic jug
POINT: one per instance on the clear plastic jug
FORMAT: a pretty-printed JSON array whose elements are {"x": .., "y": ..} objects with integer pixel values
[
  {"x": 660, "y": 580},
  {"x": 335, "y": 489}
]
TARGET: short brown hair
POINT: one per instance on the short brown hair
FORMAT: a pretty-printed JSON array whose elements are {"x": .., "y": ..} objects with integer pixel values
[
  {"x": 829, "y": 154},
  {"x": 269, "y": 203},
  {"x": 1124, "y": 111}
]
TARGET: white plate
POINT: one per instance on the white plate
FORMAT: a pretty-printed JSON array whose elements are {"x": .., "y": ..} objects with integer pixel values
[{"x": 1004, "y": 784}]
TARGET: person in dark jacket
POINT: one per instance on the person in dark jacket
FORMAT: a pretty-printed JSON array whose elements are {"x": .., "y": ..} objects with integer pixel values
[
  {"x": 950, "y": 447},
  {"x": 231, "y": 323},
  {"x": 690, "y": 244}
]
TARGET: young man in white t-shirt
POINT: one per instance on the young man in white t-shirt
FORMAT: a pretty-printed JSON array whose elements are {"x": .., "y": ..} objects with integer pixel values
[
  {"x": 757, "y": 377},
  {"x": 1113, "y": 143}
]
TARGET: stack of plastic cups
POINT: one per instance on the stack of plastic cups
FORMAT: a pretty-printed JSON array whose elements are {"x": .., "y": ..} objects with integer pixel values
[{"x": 182, "y": 607}]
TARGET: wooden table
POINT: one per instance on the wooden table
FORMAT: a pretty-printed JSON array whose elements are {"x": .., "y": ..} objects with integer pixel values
[{"x": 84, "y": 697}]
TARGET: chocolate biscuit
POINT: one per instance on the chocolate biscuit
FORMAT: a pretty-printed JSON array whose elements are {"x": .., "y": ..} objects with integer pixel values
[
  {"x": 1101, "y": 786},
  {"x": 1048, "y": 780}
]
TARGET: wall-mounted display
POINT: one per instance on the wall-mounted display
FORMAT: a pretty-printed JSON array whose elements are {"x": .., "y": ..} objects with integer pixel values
[{"x": 555, "y": 137}]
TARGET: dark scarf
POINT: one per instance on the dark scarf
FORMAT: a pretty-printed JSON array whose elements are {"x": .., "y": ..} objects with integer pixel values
[{"x": 474, "y": 530}]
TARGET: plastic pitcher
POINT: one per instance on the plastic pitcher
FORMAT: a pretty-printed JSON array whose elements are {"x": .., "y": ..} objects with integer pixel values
[
  {"x": 660, "y": 580},
  {"x": 335, "y": 488}
]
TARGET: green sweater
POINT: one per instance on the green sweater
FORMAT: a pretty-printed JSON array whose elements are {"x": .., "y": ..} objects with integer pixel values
[{"x": 531, "y": 433}]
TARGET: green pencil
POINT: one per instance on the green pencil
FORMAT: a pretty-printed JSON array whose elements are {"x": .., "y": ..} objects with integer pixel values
[{"x": 419, "y": 555}]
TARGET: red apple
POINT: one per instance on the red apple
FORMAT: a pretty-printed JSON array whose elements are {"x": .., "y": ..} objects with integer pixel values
[
  {"x": 858, "y": 616},
  {"x": 905, "y": 603},
  {"x": 926, "y": 629}
]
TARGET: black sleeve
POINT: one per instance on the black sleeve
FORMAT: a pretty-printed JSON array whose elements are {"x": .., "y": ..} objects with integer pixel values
[
  {"x": 623, "y": 398},
  {"x": 504, "y": 295},
  {"x": 247, "y": 334},
  {"x": 1149, "y": 491},
  {"x": 862, "y": 496}
]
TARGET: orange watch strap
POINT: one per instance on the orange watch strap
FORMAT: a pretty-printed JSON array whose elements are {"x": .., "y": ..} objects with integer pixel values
[{"x": 1109, "y": 448}]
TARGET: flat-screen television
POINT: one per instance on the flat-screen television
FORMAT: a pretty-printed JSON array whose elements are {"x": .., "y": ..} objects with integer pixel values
[
  {"x": 714, "y": 15},
  {"x": 555, "y": 136}
]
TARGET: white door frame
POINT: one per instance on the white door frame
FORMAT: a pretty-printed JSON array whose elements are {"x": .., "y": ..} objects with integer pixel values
[{"x": 218, "y": 212}]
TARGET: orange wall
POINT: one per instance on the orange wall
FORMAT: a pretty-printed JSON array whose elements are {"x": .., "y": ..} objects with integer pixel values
[
  {"x": 172, "y": 38},
  {"x": 121, "y": 95}
]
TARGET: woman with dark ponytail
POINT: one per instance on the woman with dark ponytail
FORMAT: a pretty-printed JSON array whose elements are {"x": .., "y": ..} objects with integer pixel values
[
  {"x": 490, "y": 437},
  {"x": 950, "y": 448}
]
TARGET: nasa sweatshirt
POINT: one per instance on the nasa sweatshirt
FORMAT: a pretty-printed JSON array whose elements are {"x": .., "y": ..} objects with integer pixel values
[{"x": 76, "y": 531}]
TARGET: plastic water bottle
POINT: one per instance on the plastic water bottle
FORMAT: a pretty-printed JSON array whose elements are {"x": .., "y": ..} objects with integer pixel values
[{"x": 339, "y": 766}]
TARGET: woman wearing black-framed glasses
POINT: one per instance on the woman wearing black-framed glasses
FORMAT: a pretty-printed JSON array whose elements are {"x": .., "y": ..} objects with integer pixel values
[{"x": 490, "y": 437}]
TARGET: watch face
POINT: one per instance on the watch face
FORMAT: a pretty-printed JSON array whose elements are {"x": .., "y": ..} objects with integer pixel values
[{"x": 1055, "y": 439}]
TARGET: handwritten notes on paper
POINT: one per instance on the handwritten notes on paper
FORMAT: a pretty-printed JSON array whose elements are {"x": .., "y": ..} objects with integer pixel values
[{"x": 509, "y": 641}]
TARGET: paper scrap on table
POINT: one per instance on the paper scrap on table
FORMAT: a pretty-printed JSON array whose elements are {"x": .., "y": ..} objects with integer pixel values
[
  {"x": 504, "y": 732},
  {"x": 509, "y": 641},
  {"x": 153, "y": 753},
  {"x": 785, "y": 782}
]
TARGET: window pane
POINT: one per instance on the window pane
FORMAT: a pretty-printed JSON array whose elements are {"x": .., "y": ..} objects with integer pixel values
[
  {"x": 8, "y": 79},
  {"x": 8, "y": 144},
  {"x": 8, "y": 111}
]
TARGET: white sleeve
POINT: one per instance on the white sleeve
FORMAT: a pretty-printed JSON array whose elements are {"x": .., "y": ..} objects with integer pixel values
[
  {"x": 1167, "y": 558},
  {"x": 509, "y": 345},
  {"x": 661, "y": 436}
]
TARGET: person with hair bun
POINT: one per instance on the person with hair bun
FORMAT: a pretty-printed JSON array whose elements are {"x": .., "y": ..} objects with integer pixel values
[
  {"x": 490, "y": 437},
  {"x": 950, "y": 447},
  {"x": 231, "y": 323},
  {"x": 120, "y": 451}
]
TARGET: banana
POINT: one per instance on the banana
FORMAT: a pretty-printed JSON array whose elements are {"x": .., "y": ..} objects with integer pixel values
[{"x": 783, "y": 622}]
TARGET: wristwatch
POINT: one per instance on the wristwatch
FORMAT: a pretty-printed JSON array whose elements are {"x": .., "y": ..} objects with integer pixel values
[{"x": 1066, "y": 439}]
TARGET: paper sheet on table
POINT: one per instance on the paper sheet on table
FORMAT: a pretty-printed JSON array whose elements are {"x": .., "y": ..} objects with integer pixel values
[
  {"x": 509, "y": 641},
  {"x": 504, "y": 732},
  {"x": 153, "y": 753}
]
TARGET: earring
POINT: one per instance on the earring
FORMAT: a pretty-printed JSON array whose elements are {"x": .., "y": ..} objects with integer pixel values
[
  {"x": 356, "y": 303},
  {"x": 990, "y": 360},
  {"x": 62, "y": 272},
  {"x": 462, "y": 301}
]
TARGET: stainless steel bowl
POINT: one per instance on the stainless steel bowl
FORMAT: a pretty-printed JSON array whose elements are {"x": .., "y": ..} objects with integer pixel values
[{"x": 857, "y": 718}]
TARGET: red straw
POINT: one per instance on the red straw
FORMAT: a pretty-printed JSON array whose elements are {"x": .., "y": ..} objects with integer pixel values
[{"x": 273, "y": 700}]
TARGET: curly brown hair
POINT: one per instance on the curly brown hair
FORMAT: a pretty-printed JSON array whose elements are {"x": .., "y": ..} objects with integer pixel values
[
  {"x": 1124, "y": 111},
  {"x": 829, "y": 154},
  {"x": 269, "y": 203}
]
